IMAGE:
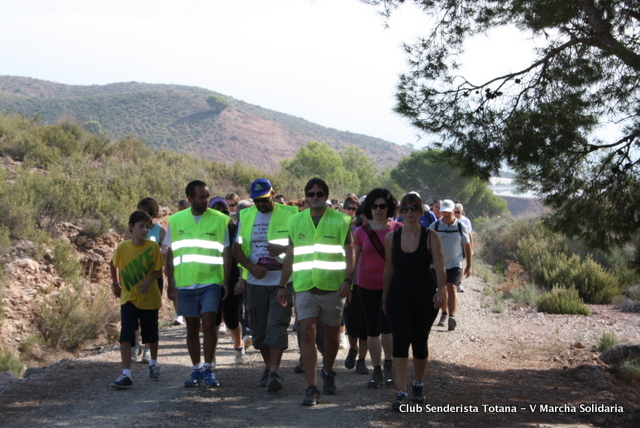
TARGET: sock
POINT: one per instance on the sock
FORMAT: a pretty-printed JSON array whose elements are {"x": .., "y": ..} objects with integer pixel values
[
  {"x": 388, "y": 361},
  {"x": 197, "y": 366},
  {"x": 416, "y": 383},
  {"x": 239, "y": 348},
  {"x": 444, "y": 314},
  {"x": 153, "y": 362},
  {"x": 127, "y": 373}
]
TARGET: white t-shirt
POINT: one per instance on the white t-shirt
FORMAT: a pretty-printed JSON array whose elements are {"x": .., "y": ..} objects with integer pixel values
[
  {"x": 259, "y": 253},
  {"x": 167, "y": 242}
]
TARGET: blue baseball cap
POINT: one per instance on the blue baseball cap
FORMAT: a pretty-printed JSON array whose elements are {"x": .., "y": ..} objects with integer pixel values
[{"x": 261, "y": 188}]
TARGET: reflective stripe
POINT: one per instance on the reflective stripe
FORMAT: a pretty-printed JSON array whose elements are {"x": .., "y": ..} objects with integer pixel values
[
  {"x": 239, "y": 239},
  {"x": 283, "y": 241},
  {"x": 195, "y": 258},
  {"x": 319, "y": 264},
  {"x": 318, "y": 248},
  {"x": 197, "y": 243}
]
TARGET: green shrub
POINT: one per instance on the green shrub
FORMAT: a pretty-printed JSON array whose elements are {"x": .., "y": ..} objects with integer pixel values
[
  {"x": 628, "y": 370},
  {"x": 527, "y": 294},
  {"x": 607, "y": 340},
  {"x": 10, "y": 363},
  {"x": 71, "y": 318},
  {"x": 65, "y": 262},
  {"x": 562, "y": 301}
]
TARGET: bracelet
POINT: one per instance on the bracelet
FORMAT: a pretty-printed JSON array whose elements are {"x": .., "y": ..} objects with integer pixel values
[{"x": 115, "y": 284}]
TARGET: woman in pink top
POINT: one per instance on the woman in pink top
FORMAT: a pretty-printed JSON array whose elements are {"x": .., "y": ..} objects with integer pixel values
[{"x": 378, "y": 207}]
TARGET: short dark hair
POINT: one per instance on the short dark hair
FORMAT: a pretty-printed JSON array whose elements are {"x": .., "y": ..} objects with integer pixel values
[
  {"x": 139, "y": 215},
  {"x": 412, "y": 199},
  {"x": 184, "y": 203},
  {"x": 191, "y": 187},
  {"x": 233, "y": 196},
  {"x": 149, "y": 205},
  {"x": 280, "y": 196},
  {"x": 385, "y": 194},
  {"x": 319, "y": 182},
  {"x": 351, "y": 201}
]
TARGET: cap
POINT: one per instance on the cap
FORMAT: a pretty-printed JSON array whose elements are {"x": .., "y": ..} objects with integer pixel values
[
  {"x": 218, "y": 200},
  {"x": 447, "y": 206},
  {"x": 260, "y": 188}
]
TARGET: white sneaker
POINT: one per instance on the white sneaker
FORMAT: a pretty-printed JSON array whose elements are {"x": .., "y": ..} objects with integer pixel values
[
  {"x": 460, "y": 289},
  {"x": 178, "y": 320},
  {"x": 135, "y": 353},
  {"x": 344, "y": 343},
  {"x": 222, "y": 329},
  {"x": 239, "y": 355},
  {"x": 146, "y": 356},
  {"x": 247, "y": 340}
]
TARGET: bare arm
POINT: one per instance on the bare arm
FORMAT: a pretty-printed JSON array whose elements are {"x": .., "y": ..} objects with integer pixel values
[
  {"x": 115, "y": 289},
  {"x": 388, "y": 269},
  {"x": 287, "y": 269},
  {"x": 145, "y": 284},
  {"x": 255, "y": 270},
  {"x": 468, "y": 255},
  {"x": 345, "y": 288},
  {"x": 226, "y": 263},
  {"x": 171, "y": 286},
  {"x": 433, "y": 245}
]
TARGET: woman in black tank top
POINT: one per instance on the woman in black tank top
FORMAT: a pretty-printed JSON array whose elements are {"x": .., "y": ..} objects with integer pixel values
[{"x": 411, "y": 295}]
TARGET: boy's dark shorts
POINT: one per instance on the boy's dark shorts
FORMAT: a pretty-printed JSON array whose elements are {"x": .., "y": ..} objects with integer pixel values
[
  {"x": 454, "y": 276},
  {"x": 129, "y": 317}
]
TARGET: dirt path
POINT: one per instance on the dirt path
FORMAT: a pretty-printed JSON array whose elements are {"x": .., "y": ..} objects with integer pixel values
[{"x": 490, "y": 372}]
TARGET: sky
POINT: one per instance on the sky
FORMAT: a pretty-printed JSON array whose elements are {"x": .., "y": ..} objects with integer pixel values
[{"x": 332, "y": 62}]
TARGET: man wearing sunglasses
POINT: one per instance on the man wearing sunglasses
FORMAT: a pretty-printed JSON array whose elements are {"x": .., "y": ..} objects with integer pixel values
[
  {"x": 263, "y": 236},
  {"x": 454, "y": 237},
  {"x": 320, "y": 256}
]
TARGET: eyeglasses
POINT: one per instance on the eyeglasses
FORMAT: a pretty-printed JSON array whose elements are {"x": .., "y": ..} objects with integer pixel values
[
  {"x": 457, "y": 212},
  {"x": 319, "y": 193},
  {"x": 412, "y": 208},
  {"x": 381, "y": 206},
  {"x": 261, "y": 200},
  {"x": 233, "y": 205},
  {"x": 349, "y": 208}
]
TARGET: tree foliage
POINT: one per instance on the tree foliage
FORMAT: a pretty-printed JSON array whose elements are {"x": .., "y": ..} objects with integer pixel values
[
  {"x": 217, "y": 104},
  {"x": 546, "y": 121},
  {"x": 427, "y": 172}
]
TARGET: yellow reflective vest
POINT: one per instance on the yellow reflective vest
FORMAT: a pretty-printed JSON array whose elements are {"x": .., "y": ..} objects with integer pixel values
[
  {"x": 319, "y": 258},
  {"x": 197, "y": 248},
  {"x": 277, "y": 231}
]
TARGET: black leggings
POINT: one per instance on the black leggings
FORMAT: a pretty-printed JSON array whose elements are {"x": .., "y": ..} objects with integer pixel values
[
  {"x": 353, "y": 317},
  {"x": 411, "y": 318},
  {"x": 231, "y": 309},
  {"x": 375, "y": 320}
]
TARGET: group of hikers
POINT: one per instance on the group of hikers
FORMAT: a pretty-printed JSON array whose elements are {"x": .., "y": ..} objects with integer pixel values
[{"x": 378, "y": 267}]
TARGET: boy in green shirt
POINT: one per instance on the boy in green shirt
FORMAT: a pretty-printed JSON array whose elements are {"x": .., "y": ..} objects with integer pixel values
[{"x": 135, "y": 267}]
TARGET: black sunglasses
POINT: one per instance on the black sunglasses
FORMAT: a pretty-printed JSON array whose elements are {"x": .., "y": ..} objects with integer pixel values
[
  {"x": 381, "y": 206},
  {"x": 412, "y": 208},
  {"x": 319, "y": 193},
  {"x": 349, "y": 208},
  {"x": 457, "y": 212}
]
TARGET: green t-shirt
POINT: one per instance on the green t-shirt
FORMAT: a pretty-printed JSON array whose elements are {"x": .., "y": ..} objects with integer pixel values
[{"x": 136, "y": 262}]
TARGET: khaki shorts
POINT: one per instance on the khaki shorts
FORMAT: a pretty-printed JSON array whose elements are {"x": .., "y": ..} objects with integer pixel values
[
  {"x": 327, "y": 307},
  {"x": 268, "y": 319}
]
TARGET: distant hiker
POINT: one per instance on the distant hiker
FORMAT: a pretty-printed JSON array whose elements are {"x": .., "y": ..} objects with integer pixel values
[
  {"x": 135, "y": 268},
  {"x": 412, "y": 295},
  {"x": 280, "y": 199},
  {"x": 198, "y": 264},
  {"x": 320, "y": 256},
  {"x": 262, "y": 240},
  {"x": 183, "y": 204},
  {"x": 232, "y": 201},
  {"x": 459, "y": 213},
  {"x": 454, "y": 238}
]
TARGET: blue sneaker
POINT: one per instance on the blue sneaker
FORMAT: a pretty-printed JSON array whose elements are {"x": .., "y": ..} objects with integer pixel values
[
  {"x": 195, "y": 379},
  {"x": 210, "y": 380}
]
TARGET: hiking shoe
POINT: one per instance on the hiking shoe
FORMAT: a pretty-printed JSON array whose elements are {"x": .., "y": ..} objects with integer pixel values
[
  {"x": 239, "y": 355},
  {"x": 275, "y": 383},
  {"x": 377, "y": 378},
  {"x": 443, "y": 319},
  {"x": 222, "y": 329},
  {"x": 178, "y": 320},
  {"x": 247, "y": 340},
  {"x": 298, "y": 368},
  {"x": 265, "y": 379},
  {"x": 418, "y": 393},
  {"x": 154, "y": 372},
  {"x": 460, "y": 289},
  {"x": 146, "y": 356},
  {"x": 329, "y": 383},
  {"x": 135, "y": 353},
  {"x": 361, "y": 367},
  {"x": 195, "y": 379},
  {"x": 311, "y": 396},
  {"x": 452, "y": 323},
  {"x": 209, "y": 377},
  {"x": 123, "y": 382},
  {"x": 387, "y": 373},
  {"x": 350, "y": 361},
  {"x": 401, "y": 399}
]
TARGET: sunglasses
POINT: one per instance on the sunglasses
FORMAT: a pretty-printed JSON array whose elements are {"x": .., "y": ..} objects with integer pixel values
[
  {"x": 319, "y": 193},
  {"x": 412, "y": 208},
  {"x": 457, "y": 212},
  {"x": 349, "y": 208},
  {"x": 233, "y": 205},
  {"x": 260, "y": 200},
  {"x": 381, "y": 206}
]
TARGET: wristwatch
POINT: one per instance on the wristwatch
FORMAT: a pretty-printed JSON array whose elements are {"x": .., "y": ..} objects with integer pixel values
[{"x": 348, "y": 281}]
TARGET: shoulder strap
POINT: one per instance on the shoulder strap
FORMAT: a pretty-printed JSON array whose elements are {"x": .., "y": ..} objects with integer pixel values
[{"x": 375, "y": 241}]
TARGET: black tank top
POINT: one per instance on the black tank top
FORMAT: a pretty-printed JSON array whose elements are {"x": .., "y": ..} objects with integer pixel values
[{"x": 412, "y": 270}]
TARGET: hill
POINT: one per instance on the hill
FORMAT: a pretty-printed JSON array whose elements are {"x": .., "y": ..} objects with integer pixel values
[{"x": 178, "y": 118}]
